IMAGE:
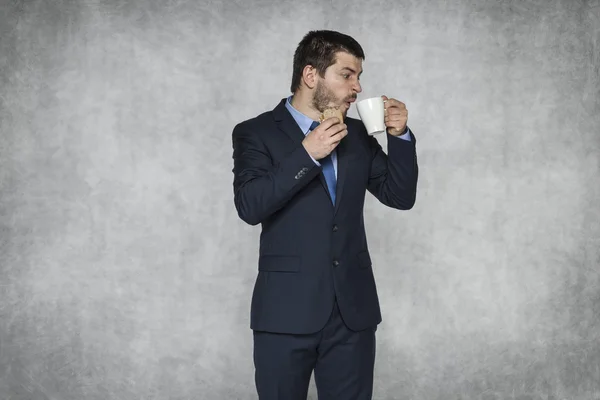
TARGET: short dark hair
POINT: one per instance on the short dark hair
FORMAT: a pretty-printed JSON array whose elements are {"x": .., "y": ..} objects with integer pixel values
[{"x": 318, "y": 48}]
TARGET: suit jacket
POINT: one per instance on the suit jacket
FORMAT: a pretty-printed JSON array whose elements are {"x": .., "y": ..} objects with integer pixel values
[{"x": 312, "y": 251}]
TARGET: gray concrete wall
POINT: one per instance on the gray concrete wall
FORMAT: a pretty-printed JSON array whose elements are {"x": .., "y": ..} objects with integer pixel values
[{"x": 126, "y": 274}]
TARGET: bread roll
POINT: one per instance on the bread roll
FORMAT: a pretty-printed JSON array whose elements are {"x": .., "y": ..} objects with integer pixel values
[{"x": 332, "y": 112}]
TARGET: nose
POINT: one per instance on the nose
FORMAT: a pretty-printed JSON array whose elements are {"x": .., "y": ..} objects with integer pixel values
[{"x": 357, "y": 88}]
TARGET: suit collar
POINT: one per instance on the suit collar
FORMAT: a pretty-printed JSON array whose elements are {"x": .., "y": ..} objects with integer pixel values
[
  {"x": 286, "y": 123},
  {"x": 303, "y": 121}
]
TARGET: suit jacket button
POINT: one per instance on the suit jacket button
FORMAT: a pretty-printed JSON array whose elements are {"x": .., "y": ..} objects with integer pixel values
[
  {"x": 335, "y": 228},
  {"x": 336, "y": 263}
]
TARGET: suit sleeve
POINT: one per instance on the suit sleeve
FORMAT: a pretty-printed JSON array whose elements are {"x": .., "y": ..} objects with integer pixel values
[
  {"x": 393, "y": 177},
  {"x": 262, "y": 187}
]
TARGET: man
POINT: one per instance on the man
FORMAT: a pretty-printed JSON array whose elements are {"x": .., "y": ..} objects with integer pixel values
[{"x": 315, "y": 305}]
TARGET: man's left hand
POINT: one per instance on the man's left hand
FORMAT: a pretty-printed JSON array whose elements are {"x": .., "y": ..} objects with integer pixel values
[{"x": 396, "y": 116}]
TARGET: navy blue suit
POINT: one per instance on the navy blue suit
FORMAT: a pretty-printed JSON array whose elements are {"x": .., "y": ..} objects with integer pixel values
[{"x": 314, "y": 266}]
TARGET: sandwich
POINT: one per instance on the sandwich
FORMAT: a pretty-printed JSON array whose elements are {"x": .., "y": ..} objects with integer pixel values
[{"x": 332, "y": 112}]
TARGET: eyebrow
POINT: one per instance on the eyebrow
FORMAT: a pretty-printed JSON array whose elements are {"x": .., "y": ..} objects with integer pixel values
[{"x": 351, "y": 70}]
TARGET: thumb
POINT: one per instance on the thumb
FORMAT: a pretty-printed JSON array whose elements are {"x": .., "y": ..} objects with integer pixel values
[{"x": 385, "y": 98}]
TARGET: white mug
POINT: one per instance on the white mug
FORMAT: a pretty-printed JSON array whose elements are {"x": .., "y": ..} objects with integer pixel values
[{"x": 371, "y": 112}]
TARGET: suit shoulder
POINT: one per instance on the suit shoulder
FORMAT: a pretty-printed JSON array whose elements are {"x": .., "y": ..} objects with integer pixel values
[{"x": 259, "y": 121}]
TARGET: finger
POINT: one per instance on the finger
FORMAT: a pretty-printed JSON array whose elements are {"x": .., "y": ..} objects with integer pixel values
[
  {"x": 340, "y": 133},
  {"x": 397, "y": 113},
  {"x": 396, "y": 109},
  {"x": 396, "y": 118},
  {"x": 397, "y": 128},
  {"x": 385, "y": 98},
  {"x": 336, "y": 143},
  {"x": 394, "y": 103},
  {"x": 393, "y": 112},
  {"x": 395, "y": 124},
  {"x": 329, "y": 122},
  {"x": 393, "y": 108},
  {"x": 338, "y": 136},
  {"x": 336, "y": 129}
]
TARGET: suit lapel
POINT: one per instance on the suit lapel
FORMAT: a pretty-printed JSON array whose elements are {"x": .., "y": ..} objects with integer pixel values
[{"x": 286, "y": 123}]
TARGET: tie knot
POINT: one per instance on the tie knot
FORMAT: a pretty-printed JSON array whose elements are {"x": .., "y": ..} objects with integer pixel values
[{"x": 314, "y": 125}]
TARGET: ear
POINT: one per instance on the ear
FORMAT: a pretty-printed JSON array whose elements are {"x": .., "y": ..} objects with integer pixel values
[{"x": 309, "y": 76}]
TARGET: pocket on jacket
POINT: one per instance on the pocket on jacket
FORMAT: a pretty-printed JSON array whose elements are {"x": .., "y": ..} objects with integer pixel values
[
  {"x": 364, "y": 259},
  {"x": 275, "y": 263}
]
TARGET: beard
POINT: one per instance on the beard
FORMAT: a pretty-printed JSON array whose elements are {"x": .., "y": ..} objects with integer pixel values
[{"x": 323, "y": 97}]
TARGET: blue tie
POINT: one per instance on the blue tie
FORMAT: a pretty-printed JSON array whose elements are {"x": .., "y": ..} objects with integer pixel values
[{"x": 328, "y": 170}]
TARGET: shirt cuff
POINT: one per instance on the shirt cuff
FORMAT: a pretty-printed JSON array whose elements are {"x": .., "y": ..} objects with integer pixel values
[{"x": 405, "y": 135}]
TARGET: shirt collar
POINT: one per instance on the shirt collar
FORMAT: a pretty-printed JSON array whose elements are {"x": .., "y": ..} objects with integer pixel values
[{"x": 302, "y": 120}]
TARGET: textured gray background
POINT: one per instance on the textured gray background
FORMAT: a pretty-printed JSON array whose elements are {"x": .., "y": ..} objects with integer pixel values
[{"x": 126, "y": 274}]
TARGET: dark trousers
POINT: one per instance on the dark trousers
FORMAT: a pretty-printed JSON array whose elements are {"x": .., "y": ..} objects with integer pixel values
[{"x": 342, "y": 361}]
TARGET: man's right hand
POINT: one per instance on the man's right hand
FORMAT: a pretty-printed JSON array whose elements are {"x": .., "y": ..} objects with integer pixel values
[{"x": 320, "y": 142}]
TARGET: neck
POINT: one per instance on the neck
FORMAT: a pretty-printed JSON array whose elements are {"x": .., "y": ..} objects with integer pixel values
[{"x": 302, "y": 102}]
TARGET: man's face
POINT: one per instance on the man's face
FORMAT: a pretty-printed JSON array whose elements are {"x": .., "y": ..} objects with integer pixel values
[{"x": 340, "y": 86}]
